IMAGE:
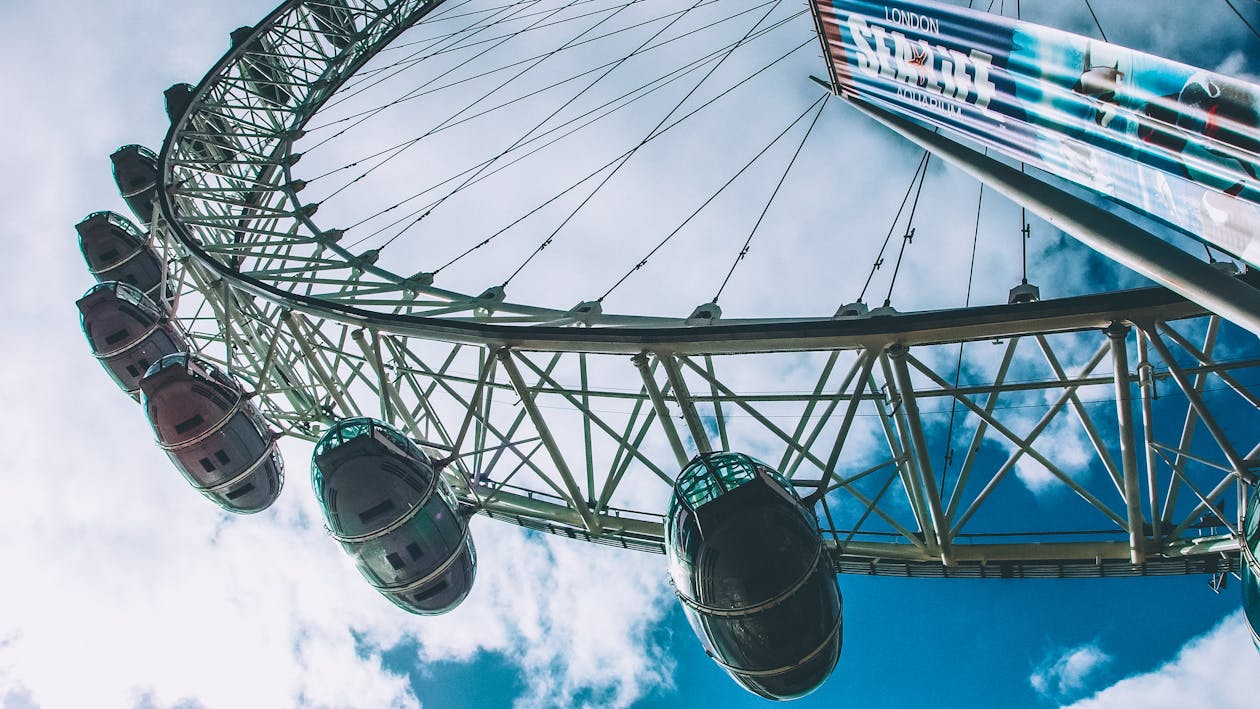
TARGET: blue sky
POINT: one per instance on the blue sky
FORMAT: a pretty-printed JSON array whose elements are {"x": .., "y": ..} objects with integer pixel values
[{"x": 123, "y": 588}]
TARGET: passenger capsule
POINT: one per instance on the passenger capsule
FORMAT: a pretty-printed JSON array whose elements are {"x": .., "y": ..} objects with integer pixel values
[
  {"x": 261, "y": 67},
  {"x": 206, "y": 143},
  {"x": 1251, "y": 565},
  {"x": 213, "y": 433},
  {"x": 749, "y": 566},
  {"x": 395, "y": 515},
  {"x": 127, "y": 332},
  {"x": 115, "y": 250},
  {"x": 335, "y": 21},
  {"x": 135, "y": 171}
]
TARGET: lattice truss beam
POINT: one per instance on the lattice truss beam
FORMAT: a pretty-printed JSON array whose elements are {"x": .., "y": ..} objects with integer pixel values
[
  {"x": 1109, "y": 435},
  {"x": 938, "y": 454}
]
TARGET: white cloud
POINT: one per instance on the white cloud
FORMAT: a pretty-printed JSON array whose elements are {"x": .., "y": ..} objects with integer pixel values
[
  {"x": 1035, "y": 476},
  {"x": 150, "y": 593},
  {"x": 122, "y": 586},
  {"x": 1065, "y": 673},
  {"x": 1217, "y": 669},
  {"x": 1063, "y": 442},
  {"x": 576, "y": 618},
  {"x": 1238, "y": 65}
]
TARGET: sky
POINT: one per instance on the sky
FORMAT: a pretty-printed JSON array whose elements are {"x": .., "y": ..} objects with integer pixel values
[{"x": 123, "y": 588}]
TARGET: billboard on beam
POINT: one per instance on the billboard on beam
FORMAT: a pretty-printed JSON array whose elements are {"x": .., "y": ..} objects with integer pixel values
[{"x": 1177, "y": 142}]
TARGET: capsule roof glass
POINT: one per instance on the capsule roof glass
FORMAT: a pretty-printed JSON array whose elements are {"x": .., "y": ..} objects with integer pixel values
[
  {"x": 146, "y": 152},
  {"x": 195, "y": 366},
  {"x": 117, "y": 220},
  {"x": 178, "y": 359},
  {"x": 347, "y": 430},
  {"x": 125, "y": 292},
  {"x": 709, "y": 476}
]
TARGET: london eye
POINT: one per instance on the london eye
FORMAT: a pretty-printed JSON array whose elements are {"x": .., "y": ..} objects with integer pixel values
[{"x": 618, "y": 271}]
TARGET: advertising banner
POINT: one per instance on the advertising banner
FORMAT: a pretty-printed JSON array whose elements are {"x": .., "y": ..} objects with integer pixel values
[{"x": 1179, "y": 143}]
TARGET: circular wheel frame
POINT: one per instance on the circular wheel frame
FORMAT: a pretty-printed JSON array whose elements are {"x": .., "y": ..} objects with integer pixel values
[{"x": 1097, "y": 435}]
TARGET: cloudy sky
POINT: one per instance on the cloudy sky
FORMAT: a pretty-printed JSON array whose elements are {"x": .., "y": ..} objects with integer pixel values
[{"x": 124, "y": 588}]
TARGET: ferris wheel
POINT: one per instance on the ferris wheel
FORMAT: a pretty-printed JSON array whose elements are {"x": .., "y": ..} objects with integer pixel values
[{"x": 489, "y": 240}]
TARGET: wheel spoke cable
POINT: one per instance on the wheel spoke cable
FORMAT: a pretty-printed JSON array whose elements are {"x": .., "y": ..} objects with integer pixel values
[
  {"x": 1096, "y": 22},
  {"x": 533, "y": 93},
  {"x": 643, "y": 142},
  {"x": 349, "y": 92},
  {"x": 526, "y": 135},
  {"x": 1243, "y": 18},
  {"x": 427, "y": 89},
  {"x": 658, "y": 134},
  {"x": 879, "y": 258},
  {"x": 817, "y": 104},
  {"x": 908, "y": 237},
  {"x": 783, "y": 178}
]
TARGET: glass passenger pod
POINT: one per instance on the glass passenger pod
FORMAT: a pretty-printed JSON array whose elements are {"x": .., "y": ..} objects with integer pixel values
[
  {"x": 1251, "y": 565},
  {"x": 135, "y": 172},
  {"x": 392, "y": 512},
  {"x": 204, "y": 143},
  {"x": 127, "y": 332},
  {"x": 212, "y": 433},
  {"x": 116, "y": 250},
  {"x": 756, "y": 584},
  {"x": 261, "y": 67},
  {"x": 335, "y": 21}
]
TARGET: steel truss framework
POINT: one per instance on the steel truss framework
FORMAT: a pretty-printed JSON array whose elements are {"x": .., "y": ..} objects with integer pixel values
[{"x": 1079, "y": 437}]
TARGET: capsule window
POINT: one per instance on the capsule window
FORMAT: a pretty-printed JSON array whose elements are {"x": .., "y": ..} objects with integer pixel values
[
  {"x": 240, "y": 491},
  {"x": 205, "y": 463},
  {"x": 395, "y": 560},
  {"x": 189, "y": 424},
  {"x": 414, "y": 550},
  {"x": 376, "y": 511},
  {"x": 222, "y": 457},
  {"x": 117, "y": 337},
  {"x": 131, "y": 369},
  {"x": 432, "y": 591}
]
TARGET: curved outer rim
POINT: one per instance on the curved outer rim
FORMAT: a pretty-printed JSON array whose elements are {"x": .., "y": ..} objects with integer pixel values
[{"x": 666, "y": 334}]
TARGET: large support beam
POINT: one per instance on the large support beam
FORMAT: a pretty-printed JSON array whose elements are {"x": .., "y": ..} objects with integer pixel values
[
  {"x": 291, "y": 320},
  {"x": 1146, "y": 384},
  {"x": 922, "y": 460},
  {"x": 549, "y": 441},
  {"x": 1107, "y": 233},
  {"x": 982, "y": 427},
  {"x": 662, "y": 411},
  {"x": 1117, "y": 335},
  {"x": 1241, "y": 470},
  {"x": 486, "y": 374},
  {"x": 385, "y": 391},
  {"x": 799, "y": 433},
  {"x": 1082, "y": 415},
  {"x": 866, "y": 361},
  {"x": 900, "y": 444},
  {"x": 683, "y": 396},
  {"x": 1023, "y": 445}
]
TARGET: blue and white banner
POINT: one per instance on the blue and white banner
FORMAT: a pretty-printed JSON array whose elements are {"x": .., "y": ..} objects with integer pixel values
[{"x": 1177, "y": 142}]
